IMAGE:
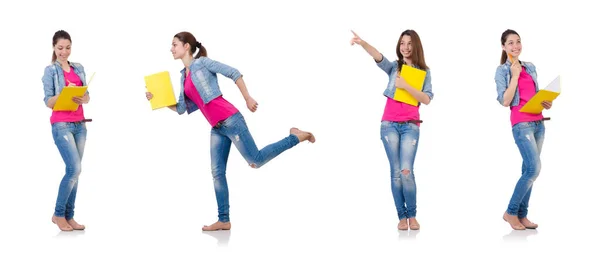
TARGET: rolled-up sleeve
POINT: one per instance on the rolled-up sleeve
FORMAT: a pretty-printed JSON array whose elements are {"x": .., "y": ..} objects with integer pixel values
[
  {"x": 223, "y": 69},
  {"x": 501, "y": 83},
  {"x": 48, "y": 82},
  {"x": 427, "y": 87},
  {"x": 385, "y": 65}
]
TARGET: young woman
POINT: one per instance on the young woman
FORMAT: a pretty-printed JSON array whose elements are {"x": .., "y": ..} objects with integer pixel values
[
  {"x": 400, "y": 122},
  {"x": 68, "y": 127},
  {"x": 200, "y": 90},
  {"x": 516, "y": 83}
]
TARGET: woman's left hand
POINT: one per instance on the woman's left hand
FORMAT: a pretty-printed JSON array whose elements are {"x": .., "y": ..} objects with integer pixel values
[
  {"x": 78, "y": 100},
  {"x": 401, "y": 82},
  {"x": 251, "y": 104},
  {"x": 547, "y": 104}
]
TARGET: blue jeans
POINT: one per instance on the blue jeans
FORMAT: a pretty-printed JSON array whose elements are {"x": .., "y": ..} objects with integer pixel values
[
  {"x": 529, "y": 137},
  {"x": 234, "y": 129},
  {"x": 70, "y": 140},
  {"x": 401, "y": 141}
]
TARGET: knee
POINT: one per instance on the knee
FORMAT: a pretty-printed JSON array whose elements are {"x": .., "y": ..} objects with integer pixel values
[
  {"x": 396, "y": 173},
  {"x": 403, "y": 174},
  {"x": 73, "y": 171},
  {"x": 532, "y": 173},
  {"x": 217, "y": 173},
  {"x": 536, "y": 171},
  {"x": 406, "y": 175}
]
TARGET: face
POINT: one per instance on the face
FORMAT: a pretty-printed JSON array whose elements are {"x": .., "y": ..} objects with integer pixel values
[
  {"x": 406, "y": 46},
  {"x": 178, "y": 49},
  {"x": 512, "y": 46},
  {"x": 62, "y": 49}
]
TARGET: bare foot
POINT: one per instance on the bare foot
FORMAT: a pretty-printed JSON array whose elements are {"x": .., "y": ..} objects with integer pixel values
[
  {"x": 403, "y": 224},
  {"x": 528, "y": 224},
  {"x": 75, "y": 225},
  {"x": 302, "y": 135},
  {"x": 414, "y": 224},
  {"x": 62, "y": 223},
  {"x": 513, "y": 220},
  {"x": 217, "y": 226}
]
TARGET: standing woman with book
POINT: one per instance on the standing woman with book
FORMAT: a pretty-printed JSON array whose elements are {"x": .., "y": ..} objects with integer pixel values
[
  {"x": 200, "y": 90},
  {"x": 516, "y": 83},
  {"x": 68, "y": 127},
  {"x": 400, "y": 122}
]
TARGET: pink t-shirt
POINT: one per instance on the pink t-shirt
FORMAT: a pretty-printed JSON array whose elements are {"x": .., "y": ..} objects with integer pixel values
[
  {"x": 216, "y": 110},
  {"x": 69, "y": 116},
  {"x": 526, "y": 91},
  {"x": 396, "y": 111}
]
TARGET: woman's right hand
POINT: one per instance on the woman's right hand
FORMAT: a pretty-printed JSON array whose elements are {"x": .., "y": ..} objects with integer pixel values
[
  {"x": 149, "y": 95},
  {"x": 356, "y": 39},
  {"x": 515, "y": 69}
]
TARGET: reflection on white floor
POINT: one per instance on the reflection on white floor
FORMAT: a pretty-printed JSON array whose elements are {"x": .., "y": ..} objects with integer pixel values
[
  {"x": 70, "y": 234},
  {"x": 222, "y": 236},
  {"x": 408, "y": 234},
  {"x": 519, "y": 235}
]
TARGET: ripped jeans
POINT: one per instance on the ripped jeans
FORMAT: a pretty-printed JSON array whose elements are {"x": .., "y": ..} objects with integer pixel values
[
  {"x": 529, "y": 137},
  {"x": 234, "y": 129},
  {"x": 401, "y": 141}
]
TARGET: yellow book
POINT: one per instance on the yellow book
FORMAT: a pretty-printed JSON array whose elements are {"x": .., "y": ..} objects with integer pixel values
[
  {"x": 65, "y": 98},
  {"x": 415, "y": 78},
  {"x": 159, "y": 84},
  {"x": 534, "y": 105}
]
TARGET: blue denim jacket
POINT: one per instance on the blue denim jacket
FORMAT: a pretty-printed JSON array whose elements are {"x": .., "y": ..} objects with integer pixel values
[
  {"x": 54, "y": 79},
  {"x": 391, "y": 68},
  {"x": 503, "y": 76},
  {"x": 204, "y": 76}
]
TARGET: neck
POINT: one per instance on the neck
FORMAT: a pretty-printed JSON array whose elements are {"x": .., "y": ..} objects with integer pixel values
[
  {"x": 407, "y": 61},
  {"x": 187, "y": 61},
  {"x": 63, "y": 64}
]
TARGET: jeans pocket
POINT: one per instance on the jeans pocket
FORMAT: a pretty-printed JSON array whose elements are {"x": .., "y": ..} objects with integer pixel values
[
  {"x": 521, "y": 126},
  {"x": 60, "y": 126}
]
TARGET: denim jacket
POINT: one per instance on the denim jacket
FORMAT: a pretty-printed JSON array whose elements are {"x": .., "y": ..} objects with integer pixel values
[
  {"x": 54, "y": 79},
  {"x": 391, "y": 68},
  {"x": 204, "y": 76},
  {"x": 503, "y": 76}
]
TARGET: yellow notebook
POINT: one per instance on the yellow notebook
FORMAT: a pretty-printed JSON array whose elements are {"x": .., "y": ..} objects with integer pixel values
[
  {"x": 159, "y": 84},
  {"x": 415, "y": 78},
  {"x": 534, "y": 105},
  {"x": 65, "y": 98}
]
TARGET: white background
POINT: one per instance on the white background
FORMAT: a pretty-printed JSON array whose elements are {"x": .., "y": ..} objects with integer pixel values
[{"x": 146, "y": 183}]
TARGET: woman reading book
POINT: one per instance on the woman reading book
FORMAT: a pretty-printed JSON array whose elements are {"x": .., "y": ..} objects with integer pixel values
[
  {"x": 200, "y": 90},
  {"x": 516, "y": 83},
  {"x": 68, "y": 127},
  {"x": 400, "y": 122}
]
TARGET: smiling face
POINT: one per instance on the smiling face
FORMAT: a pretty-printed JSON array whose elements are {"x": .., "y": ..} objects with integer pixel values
[
  {"x": 406, "y": 46},
  {"x": 512, "y": 46},
  {"x": 62, "y": 50},
  {"x": 178, "y": 49}
]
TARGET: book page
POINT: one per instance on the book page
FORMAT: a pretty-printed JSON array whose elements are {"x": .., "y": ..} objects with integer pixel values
[{"x": 554, "y": 86}]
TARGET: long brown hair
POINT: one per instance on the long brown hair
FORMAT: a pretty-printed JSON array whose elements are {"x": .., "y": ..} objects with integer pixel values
[
  {"x": 186, "y": 37},
  {"x": 60, "y": 34},
  {"x": 503, "y": 40},
  {"x": 417, "y": 56}
]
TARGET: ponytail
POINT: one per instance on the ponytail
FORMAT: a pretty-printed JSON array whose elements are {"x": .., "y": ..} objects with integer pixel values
[{"x": 201, "y": 50}]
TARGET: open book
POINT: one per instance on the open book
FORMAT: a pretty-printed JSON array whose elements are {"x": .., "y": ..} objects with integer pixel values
[
  {"x": 65, "y": 102},
  {"x": 534, "y": 105},
  {"x": 159, "y": 84},
  {"x": 415, "y": 78}
]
